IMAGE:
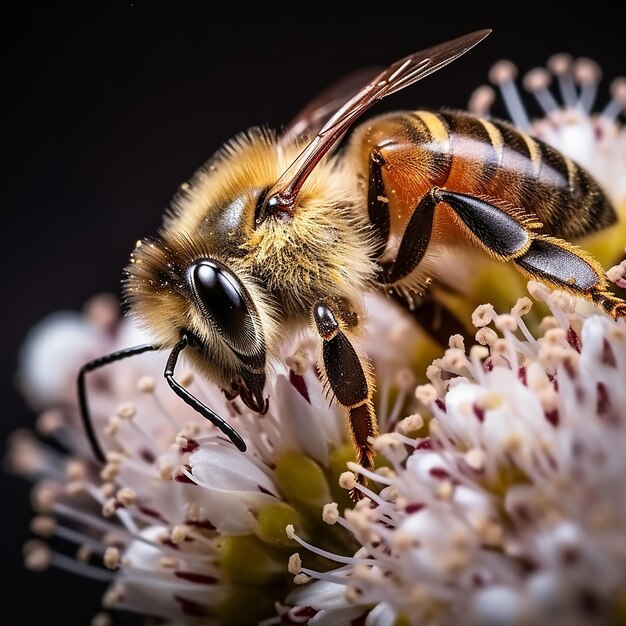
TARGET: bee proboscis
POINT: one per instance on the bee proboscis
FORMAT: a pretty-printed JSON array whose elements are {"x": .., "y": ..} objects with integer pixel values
[{"x": 279, "y": 232}]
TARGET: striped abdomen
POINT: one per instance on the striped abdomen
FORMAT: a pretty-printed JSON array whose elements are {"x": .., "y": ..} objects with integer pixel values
[{"x": 476, "y": 156}]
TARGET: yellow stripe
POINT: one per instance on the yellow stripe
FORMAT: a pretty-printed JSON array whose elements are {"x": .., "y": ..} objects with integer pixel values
[
  {"x": 571, "y": 172},
  {"x": 535, "y": 154},
  {"x": 435, "y": 126},
  {"x": 495, "y": 136}
]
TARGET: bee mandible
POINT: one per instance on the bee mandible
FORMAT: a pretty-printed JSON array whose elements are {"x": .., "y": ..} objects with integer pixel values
[{"x": 279, "y": 232}]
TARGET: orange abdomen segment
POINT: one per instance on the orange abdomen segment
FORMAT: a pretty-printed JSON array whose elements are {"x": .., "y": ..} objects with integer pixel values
[{"x": 479, "y": 157}]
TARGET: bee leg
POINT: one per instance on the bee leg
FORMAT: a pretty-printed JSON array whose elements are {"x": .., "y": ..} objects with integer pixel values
[
  {"x": 414, "y": 242},
  {"x": 429, "y": 313},
  {"x": 508, "y": 235},
  {"x": 377, "y": 203},
  {"x": 559, "y": 263},
  {"x": 351, "y": 383}
]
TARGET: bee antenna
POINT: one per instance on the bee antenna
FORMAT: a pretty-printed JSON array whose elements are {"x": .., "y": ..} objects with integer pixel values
[
  {"x": 192, "y": 401},
  {"x": 85, "y": 414}
]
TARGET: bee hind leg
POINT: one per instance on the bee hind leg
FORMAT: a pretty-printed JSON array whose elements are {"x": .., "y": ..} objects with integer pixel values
[
  {"x": 378, "y": 204},
  {"x": 414, "y": 243},
  {"x": 349, "y": 377},
  {"x": 509, "y": 234},
  {"x": 426, "y": 310},
  {"x": 567, "y": 267},
  {"x": 417, "y": 232}
]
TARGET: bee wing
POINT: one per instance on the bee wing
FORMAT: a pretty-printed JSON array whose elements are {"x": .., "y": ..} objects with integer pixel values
[
  {"x": 401, "y": 74},
  {"x": 312, "y": 118}
]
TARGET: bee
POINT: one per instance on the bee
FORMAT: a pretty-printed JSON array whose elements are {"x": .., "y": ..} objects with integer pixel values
[{"x": 280, "y": 232}]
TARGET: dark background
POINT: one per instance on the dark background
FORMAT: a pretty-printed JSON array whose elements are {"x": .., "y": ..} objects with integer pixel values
[{"x": 107, "y": 110}]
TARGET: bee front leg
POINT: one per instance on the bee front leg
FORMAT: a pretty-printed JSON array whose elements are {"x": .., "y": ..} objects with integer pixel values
[
  {"x": 434, "y": 316},
  {"x": 378, "y": 203},
  {"x": 415, "y": 240},
  {"x": 349, "y": 377},
  {"x": 416, "y": 235},
  {"x": 508, "y": 234}
]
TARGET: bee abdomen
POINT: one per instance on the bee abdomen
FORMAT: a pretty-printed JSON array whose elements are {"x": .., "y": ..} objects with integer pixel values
[{"x": 492, "y": 158}]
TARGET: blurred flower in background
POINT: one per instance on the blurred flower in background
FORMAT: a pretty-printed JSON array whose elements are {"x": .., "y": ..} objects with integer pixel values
[{"x": 499, "y": 497}]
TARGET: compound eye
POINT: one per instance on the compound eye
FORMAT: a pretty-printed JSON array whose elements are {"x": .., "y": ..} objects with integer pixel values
[{"x": 222, "y": 299}]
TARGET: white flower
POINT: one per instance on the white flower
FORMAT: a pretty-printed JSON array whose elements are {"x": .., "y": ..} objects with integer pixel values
[
  {"x": 512, "y": 511},
  {"x": 181, "y": 524},
  {"x": 503, "y": 502},
  {"x": 580, "y": 126}
]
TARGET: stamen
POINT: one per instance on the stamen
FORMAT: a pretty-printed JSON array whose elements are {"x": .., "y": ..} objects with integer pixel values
[
  {"x": 347, "y": 480},
  {"x": 481, "y": 100},
  {"x": 320, "y": 552},
  {"x": 147, "y": 439},
  {"x": 80, "y": 539},
  {"x": 486, "y": 336},
  {"x": 80, "y": 569},
  {"x": 617, "y": 104},
  {"x": 375, "y": 476},
  {"x": 147, "y": 386},
  {"x": 517, "y": 312},
  {"x": 326, "y": 576},
  {"x": 503, "y": 75},
  {"x": 101, "y": 619},
  {"x": 537, "y": 82},
  {"x": 483, "y": 315},
  {"x": 457, "y": 342},
  {"x": 410, "y": 424},
  {"x": 396, "y": 409},
  {"x": 587, "y": 74},
  {"x": 616, "y": 275},
  {"x": 384, "y": 392},
  {"x": 111, "y": 558},
  {"x": 295, "y": 563},
  {"x": 101, "y": 524},
  {"x": 49, "y": 422},
  {"x": 37, "y": 555},
  {"x": 34, "y": 459},
  {"x": 330, "y": 513},
  {"x": 561, "y": 66}
]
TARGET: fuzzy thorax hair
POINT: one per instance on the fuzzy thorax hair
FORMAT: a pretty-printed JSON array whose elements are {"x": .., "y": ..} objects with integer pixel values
[{"x": 286, "y": 265}]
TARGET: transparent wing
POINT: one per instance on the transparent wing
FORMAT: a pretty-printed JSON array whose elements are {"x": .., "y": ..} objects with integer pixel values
[
  {"x": 312, "y": 118},
  {"x": 401, "y": 74}
]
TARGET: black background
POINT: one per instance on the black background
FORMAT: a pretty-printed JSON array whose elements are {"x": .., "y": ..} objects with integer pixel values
[{"x": 107, "y": 110}]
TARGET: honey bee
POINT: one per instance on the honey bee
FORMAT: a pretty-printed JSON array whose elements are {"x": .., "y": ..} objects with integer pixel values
[{"x": 276, "y": 233}]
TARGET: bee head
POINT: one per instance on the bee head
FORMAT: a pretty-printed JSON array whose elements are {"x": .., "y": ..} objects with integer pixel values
[{"x": 175, "y": 289}]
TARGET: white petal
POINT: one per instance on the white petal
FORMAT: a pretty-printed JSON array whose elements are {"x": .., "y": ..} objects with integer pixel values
[
  {"x": 548, "y": 596},
  {"x": 498, "y": 606},
  {"x": 338, "y": 617},
  {"x": 145, "y": 555},
  {"x": 150, "y": 589},
  {"x": 475, "y": 504},
  {"x": 420, "y": 464},
  {"x": 460, "y": 421},
  {"x": 299, "y": 421},
  {"x": 381, "y": 615},
  {"x": 224, "y": 468},
  {"x": 435, "y": 534},
  {"x": 320, "y": 594},
  {"x": 229, "y": 511}
]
